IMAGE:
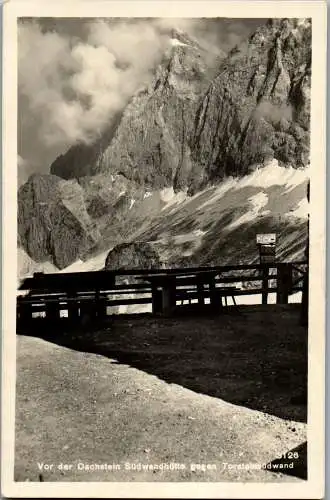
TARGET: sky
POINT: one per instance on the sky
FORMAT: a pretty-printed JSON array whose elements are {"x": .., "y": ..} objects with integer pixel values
[{"x": 75, "y": 74}]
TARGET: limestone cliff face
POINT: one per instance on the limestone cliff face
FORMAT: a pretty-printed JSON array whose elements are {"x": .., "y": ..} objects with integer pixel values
[
  {"x": 53, "y": 224},
  {"x": 60, "y": 221},
  {"x": 150, "y": 144},
  {"x": 188, "y": 130},
  {"x": 258, "y": 107}
]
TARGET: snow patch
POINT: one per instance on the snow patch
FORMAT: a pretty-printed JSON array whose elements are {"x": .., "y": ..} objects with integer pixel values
[
  {"x": 262, "y": 177},
  {"x": 131, "y": 203},
  {"x": 135, "y": 309},
  {"x": 240, "y": 300},
  {"x": 274, "y": 175},
  {"x": 94, "y": 264},
  {"x": 167, "y": 194},
  {"x": 147, "y": 195},
  {"x": 257, "y": 299},
  {"x": 258, "y": 201},
  {"x": 184, "y": 238},
  {"x": 170, "y": 198},
  {"x": 301, "y": 211},
  {"x": 297, "y": 177},
  {"x": 304, "y": 21},
  {"x": 175, "y": 42}
]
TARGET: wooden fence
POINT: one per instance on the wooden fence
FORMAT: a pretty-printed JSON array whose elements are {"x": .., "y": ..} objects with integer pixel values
[{"x": 75, "y": 296}]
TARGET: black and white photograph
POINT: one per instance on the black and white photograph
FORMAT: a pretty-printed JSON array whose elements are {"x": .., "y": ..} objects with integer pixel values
[{"x": 165, "y": 232}]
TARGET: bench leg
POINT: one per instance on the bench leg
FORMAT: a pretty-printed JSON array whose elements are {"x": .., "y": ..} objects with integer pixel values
[
  {"x": 234, "y": 301},
  {"x": 73, "y": 311},
  {"x": 226, "y": 302},
  {"x": 101, "y": 310},
  {"x": 25, "y": 313},
  {"x": 52, "y": 312}
]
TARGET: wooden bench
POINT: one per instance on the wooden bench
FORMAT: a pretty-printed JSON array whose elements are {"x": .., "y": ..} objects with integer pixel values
[
  {"x": 219, "y": 292},
  {"x": 168, "y": 289}
]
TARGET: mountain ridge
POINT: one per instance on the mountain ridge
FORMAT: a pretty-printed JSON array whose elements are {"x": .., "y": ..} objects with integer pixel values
[
  {"x": 260, "y": 95},
  {"x": 197, "y": 124}
]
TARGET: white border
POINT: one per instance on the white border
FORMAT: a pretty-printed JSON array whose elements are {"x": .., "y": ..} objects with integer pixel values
[{"x": 316, "y": 9}]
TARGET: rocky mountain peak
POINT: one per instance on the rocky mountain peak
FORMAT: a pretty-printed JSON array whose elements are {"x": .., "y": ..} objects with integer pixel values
[
  {"x": 202, "y": 118},
  {"x": 258, "y": 107},
  {"x": 179, "y": 37},
  {"x": 146, "y": 144},
  {"x": 190, "y": 126}
]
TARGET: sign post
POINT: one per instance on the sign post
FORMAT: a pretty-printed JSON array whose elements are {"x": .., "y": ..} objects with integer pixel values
[{"x": 267, "y": 255}]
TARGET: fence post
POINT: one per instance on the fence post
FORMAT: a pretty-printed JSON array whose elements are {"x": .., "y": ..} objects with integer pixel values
[
  {"x": 100, "y": 305},
  {"x": 73, "y": 307},
  {"x": 265, "y": 273},
  {"x": 52, "y": 311},
  {"x": 25, "y": 312},
  {"x": 200, "y": 292},
  {"x": 213, "y": 295},
  {"x": 305, "y": 300},
  {"x": 169, "y": 297},
  {"x": 157, "y": 305},
  {"x": 284, "y": 283}
]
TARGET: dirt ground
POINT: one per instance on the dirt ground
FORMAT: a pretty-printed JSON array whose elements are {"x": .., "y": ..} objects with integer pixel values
[{"x": 182, "y": 399}]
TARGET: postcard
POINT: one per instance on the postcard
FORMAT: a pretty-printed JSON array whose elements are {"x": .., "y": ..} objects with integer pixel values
[{"x": 163, "y": 249}]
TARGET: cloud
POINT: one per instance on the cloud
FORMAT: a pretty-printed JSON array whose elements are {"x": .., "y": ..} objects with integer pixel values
[
  {"x": 272, "y": 112},
  {"x": 24, "y": 170},
  {"x": 75, "y": 86},
  {"x": 75, "y": 75},
  {"x": 21, "y": 162}
]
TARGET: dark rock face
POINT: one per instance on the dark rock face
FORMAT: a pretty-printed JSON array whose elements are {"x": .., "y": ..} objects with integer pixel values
[
  {"x": 52, "y": 220},
  {"x": 81, "y": 160},
  {"x": 135, "y": 255}
]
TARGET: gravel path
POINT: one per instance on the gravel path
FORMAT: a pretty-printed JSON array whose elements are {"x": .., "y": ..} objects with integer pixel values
[{"x": 81, "y": 409}]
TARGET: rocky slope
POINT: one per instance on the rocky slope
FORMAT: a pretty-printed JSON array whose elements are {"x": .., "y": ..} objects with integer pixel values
[
  {"x": 199, "y": 122},
  {"x": 133, "y": 255}
]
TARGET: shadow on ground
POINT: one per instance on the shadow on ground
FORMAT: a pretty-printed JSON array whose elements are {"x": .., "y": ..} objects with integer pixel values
[
  {"x": 252, "y": 356},
  {"x": 293, "y": 463}
]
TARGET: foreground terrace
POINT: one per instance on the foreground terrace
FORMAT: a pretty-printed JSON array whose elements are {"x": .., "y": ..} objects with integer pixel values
[{"x": 229, "y": 388}]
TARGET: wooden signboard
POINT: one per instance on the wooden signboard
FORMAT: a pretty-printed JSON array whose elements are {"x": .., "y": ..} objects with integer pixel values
[
  {"x": 269, "y": 250},
  {"x": 267, "y": 259},
  {"x": 266, "y": 239},
  {"x": 267, "y": 255}
]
